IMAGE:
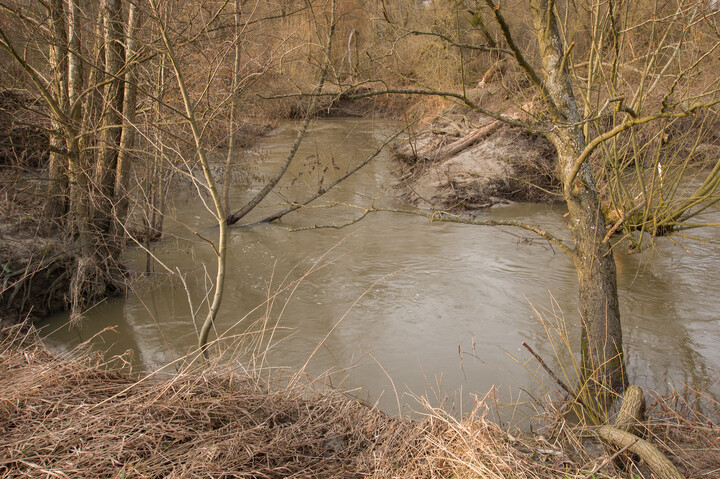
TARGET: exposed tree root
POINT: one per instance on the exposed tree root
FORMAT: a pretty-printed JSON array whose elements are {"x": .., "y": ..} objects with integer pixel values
[
  {"x": 628, "y": 432},
  {"x": 655, "y": 460}
]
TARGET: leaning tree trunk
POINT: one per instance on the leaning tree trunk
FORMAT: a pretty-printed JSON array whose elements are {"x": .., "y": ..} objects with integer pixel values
[
  {"x": 601, "y": 339},
  {"x": 602, "y": 356}
]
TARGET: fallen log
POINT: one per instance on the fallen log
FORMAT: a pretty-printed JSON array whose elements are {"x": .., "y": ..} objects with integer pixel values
[{"x": 465, "y": 142}]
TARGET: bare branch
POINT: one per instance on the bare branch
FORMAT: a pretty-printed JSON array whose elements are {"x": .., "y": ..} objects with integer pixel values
[
  {"x": 626, "y": 126},
  {"x": 520, "y": 58},
  {"x": 237, "y": 216},
  {"x": 332, "y": 185},
  {"x": 445, "y": 217},
  {"x": 482, "y": 48}
]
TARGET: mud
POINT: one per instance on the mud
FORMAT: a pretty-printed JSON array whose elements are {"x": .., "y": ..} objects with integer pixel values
[
  {"x": 467, "y": 163},
  {"x": 35, "y": 270}
]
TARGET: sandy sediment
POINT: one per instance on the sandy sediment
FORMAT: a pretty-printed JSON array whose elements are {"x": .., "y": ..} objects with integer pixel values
[{"x": 464, "y": 161}]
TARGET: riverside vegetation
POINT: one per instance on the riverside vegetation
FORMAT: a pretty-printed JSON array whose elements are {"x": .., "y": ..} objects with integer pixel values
[
  {"x": 82, "y": 415},
  {"x": 608, "y": 107}
]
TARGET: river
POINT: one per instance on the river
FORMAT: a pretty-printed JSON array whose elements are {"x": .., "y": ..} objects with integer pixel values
[{"x": 395, "y": 307}]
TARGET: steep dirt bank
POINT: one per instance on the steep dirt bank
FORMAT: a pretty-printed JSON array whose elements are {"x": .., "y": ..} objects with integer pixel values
[
  {"x": 76, "y": 415},
  {"x": 464, "y": 161},
  {"x": 35, "y": 266}
]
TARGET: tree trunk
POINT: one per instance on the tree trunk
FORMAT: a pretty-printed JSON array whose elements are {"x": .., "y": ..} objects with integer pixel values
[
  {"x": 111, "y": 123},
  {"x": 127, "y": 137},
  {"x": 219, "y": 213},
  {"x": 96, "y": 76},
  {"x": 234, "y": 106},
  {"x": 77, "y": 172},
  {"x": 601, "y": 341},
  {"x": 57, "y": 169},
  {"x": 75, "y": 62}
]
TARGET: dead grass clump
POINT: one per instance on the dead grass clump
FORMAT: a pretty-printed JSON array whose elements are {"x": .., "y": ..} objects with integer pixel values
[
  {"x": 79, "y": 415},
  {"x": 685, "y": 425},
  {"x": 76, "y": 415}
]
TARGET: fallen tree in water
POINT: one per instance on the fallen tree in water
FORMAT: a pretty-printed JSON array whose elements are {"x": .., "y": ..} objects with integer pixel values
[{"x": 79, "y": 415}]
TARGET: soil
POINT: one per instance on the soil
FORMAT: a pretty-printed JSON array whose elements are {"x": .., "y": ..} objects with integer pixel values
[
  {"x": 35, "y": 267},
  {"x": 35, "y": 264},
  {"x": 465, "y": 161}
]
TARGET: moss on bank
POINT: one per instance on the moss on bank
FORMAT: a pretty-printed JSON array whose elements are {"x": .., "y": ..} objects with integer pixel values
[{"x": 78, "y": 415}]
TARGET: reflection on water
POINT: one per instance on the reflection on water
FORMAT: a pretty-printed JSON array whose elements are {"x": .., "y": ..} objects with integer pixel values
[{"x": 399, "y": 304}]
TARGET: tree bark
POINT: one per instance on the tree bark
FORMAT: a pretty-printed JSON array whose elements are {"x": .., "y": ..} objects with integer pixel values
[
  {"x": 127, "y": 137},
  {"x": 601, "y": 340},
  {"x": 56, "y": 205}
]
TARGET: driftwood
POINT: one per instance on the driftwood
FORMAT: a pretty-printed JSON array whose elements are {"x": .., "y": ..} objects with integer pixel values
[
  {"x": 465, "y": 142},
  {"x": 426, "y": 144}
]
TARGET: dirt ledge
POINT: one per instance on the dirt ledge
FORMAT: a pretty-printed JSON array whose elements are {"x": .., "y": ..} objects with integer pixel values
[{"x": 464, "y": 161}]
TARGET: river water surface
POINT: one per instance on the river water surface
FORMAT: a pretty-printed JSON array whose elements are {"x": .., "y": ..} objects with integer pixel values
[{"x": 400, "y": 306}]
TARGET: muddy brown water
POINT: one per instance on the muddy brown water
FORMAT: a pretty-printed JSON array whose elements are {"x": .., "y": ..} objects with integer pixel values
[{"x": 395, "y": 306}]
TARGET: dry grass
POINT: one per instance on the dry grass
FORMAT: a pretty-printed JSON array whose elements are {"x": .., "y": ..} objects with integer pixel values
[
  {"x": 685, "y": 425},
  {"x": 78, "y": 415}
]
